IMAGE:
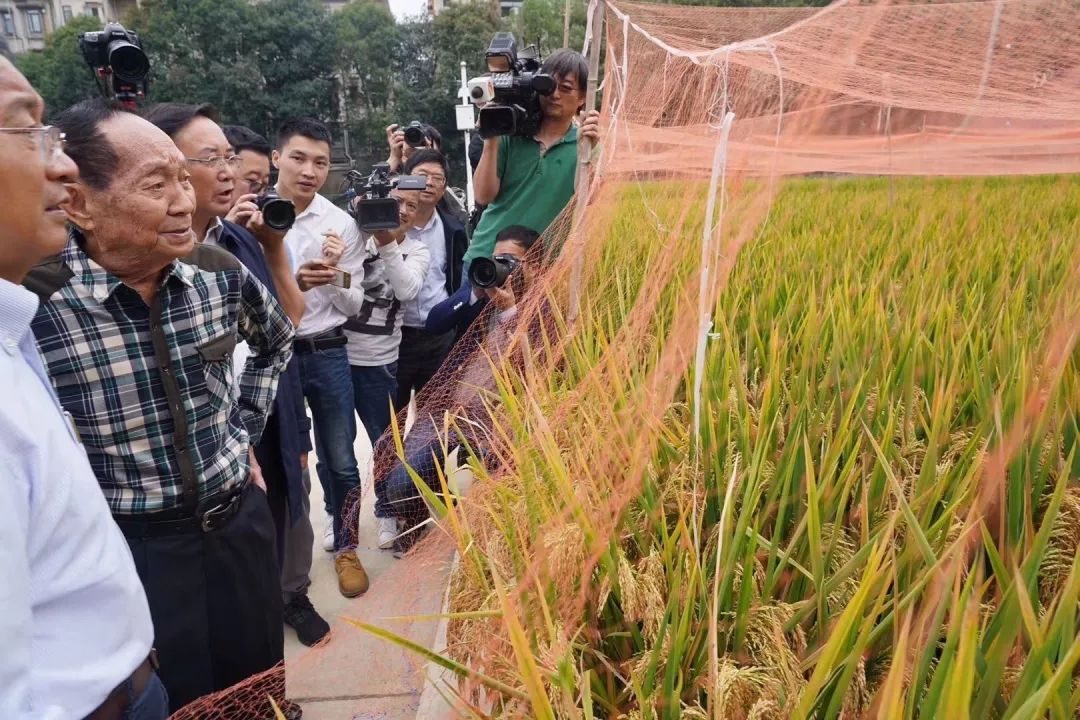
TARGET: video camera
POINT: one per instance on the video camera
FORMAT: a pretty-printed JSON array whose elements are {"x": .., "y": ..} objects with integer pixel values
[
  {"x": 492, "y": 272},
  {"x": 374, "y": 209},
  {"x": 116, "y": 52},
  {"x": 512, "y": 91}
]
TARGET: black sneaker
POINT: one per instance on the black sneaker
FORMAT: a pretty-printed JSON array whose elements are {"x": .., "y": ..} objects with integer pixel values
[{"x": 301, "y": 616}]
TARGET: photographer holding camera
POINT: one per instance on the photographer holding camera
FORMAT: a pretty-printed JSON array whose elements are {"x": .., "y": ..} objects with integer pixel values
[{"x": 528, "y": 179}]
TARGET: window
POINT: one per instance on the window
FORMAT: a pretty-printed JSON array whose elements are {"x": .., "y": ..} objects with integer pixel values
[
  {"x": 9, "y": 22},
  {"x": 35, "y": 22},
  {"x": 67, "y": 13},
  {"x": 93, "y": 11}
]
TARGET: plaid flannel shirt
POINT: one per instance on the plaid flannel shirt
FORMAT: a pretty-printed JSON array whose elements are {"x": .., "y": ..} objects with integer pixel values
[{"x": 105, "y": 352}]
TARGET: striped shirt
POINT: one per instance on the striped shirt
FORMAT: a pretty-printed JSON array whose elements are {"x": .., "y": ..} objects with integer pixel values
[{"x": 151, "y": 389}]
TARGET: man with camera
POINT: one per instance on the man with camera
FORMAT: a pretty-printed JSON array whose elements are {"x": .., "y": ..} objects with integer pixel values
[
  {"x": 395, "y": 265},
  {"x": 281, "y": 453},
  {"x": 73, "y": 615},
  {"x": 527, "y": 179},
  {"x": 324, "y": 240},
  {"x": 137, "y": 326},
  {"x": 493, "y": 282},
  {"x": 253, "y": 177},
  {"x": 444, "y": 236}
]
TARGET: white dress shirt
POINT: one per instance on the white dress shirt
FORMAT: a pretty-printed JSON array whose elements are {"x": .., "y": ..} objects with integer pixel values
[
  {"x": 73, "y": 614},
  {"x": 434, "y": 290},
  {"x": 326, "y": 307},
  {"x": 393, "y": 276}
]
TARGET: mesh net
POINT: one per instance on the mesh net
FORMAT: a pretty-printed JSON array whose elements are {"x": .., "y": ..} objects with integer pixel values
[{"x": 780, "y": 409}]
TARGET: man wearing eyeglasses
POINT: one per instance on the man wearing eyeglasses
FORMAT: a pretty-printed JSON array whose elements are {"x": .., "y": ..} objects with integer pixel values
[
  {"x": 73, "y": 615},
  {"x": 254, "y": 151}
]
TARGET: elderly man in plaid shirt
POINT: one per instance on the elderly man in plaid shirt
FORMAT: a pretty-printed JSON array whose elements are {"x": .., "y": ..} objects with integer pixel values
[{"x": 137, "y": 326}]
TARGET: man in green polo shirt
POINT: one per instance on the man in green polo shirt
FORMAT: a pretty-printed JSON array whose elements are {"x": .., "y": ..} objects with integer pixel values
[{"x": 528, "y": 180}]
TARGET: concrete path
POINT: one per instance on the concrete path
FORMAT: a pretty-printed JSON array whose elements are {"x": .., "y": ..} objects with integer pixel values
[{"x": 357, "y": 676}]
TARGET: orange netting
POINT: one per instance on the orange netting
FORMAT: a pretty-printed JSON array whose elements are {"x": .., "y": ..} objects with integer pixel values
[{"x": 962, "y": 89}]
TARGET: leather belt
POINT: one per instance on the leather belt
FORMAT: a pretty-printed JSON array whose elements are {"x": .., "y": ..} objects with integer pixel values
[
  {"x": 212, "y": 514},
  {"x": 330, "y": 339},
  {"x": 118, "y": 701}
]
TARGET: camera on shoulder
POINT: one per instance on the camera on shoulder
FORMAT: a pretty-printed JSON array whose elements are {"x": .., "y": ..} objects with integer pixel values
[
  {"x": 117, "y": 53},
  {"x": 510, "y": 94},
  {"x": 369, "y": 197}
]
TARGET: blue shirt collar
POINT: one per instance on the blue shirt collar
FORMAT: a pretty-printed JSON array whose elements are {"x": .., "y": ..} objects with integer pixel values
[{"x": 17, "y": 309}]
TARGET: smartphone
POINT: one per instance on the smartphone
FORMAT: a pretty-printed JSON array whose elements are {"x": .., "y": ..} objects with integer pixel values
[{"x": 342, "y": 278}]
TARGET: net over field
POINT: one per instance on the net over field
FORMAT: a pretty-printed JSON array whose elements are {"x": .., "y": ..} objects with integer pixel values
[{"x": 786, "y": 425}]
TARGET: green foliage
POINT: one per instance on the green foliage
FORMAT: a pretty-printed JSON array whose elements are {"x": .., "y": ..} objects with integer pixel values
[
  {"x": 540, "y": 23},
  {"x": 58, "y": 72}
]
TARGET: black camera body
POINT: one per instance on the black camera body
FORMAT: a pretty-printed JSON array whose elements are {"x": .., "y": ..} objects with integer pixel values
[
  {"x": 117, "y": 53},
  {"x": 416, "y": 134},
  {"x": 492, "y": 272},
  {"x": 369, "y": 197},
  {"x": 277, "y": 212},
  {"x": 516, "y": 87}
]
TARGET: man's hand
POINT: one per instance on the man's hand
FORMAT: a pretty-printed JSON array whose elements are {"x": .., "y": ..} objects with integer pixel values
[
  {"x": 385, "y": 237},
  {"x": 313, "y": 274},
  {"x": 590, "y": 127},
  {"x": 256, "y": 471},
  {"x": 333, "y": 248},
  {"x": 502, "y": 297},
  {"x": 244, "y": 208}
]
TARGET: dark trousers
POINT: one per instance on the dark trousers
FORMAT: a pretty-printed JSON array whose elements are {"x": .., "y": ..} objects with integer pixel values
[
  {"x": 327, "y": 383},
  {"x": 397, "y": 493},
  {"x": 268, "y": 454},
  {"x": 215, "y": 599},
  {"x": 420, "y": 356},
  {"x": 296, "y": 566}
]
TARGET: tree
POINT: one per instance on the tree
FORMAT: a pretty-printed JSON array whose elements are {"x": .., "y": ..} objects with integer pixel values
[
  {"x": 59, "y": 72},
  {"x": 368, "y": 38},
  {"x": 540, "y": 22}
]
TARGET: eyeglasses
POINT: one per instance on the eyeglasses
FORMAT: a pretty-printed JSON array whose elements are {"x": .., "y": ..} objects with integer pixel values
[
  {"x": 50, "y": 140},
  {"x": 218, "y": 162},
  {"x": 434, "y": 179},
  {"x": 255, "y": 187}
]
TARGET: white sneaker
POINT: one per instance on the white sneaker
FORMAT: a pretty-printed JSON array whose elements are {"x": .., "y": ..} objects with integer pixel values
[
  {"x": 328, "y": 535},
  {"x": 388, "y": 531}
]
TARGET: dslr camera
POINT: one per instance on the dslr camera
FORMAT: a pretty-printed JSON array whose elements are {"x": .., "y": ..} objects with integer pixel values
[
  {"x": 369, "y": 197},
  {"x": 512, "y": 90},
  {"x": 415, "y": 134},
  {"x": 492, "y": 272},
  {"x": 117, "y": 53},
  {"x": 277, "y": 212}
]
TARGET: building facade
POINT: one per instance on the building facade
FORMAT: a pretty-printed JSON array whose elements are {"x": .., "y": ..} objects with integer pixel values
[
  {"x": 26, "y": 23},
  {"x": 506, "y": 7}
]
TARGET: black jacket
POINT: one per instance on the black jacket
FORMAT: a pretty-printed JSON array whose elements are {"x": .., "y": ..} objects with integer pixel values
[{"x": 457, "y": 242}]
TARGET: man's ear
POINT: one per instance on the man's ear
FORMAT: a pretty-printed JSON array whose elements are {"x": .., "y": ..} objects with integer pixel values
[
  {"x": 77, "y": 206},
  {"x": 275, "y": 158}
]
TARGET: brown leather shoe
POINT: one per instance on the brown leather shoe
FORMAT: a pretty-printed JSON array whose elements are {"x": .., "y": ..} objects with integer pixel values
[{"x": 352, "y": 580}]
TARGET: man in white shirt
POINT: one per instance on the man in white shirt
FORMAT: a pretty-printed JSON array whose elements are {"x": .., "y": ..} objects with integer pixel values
[
  {"x": 395, "y": 267},
  {"x": 324, "y": 240},
  {"x": 73, "y": 614},
  {"x": 422, "y": 352}
]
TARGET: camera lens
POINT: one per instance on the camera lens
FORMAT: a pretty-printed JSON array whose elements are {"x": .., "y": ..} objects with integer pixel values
[
  {"x": 278, "y": 213},
  {"x": 415, "y": 136},
  {"x": 484, "y": 273},
  {"x": 128, "y": 62}
]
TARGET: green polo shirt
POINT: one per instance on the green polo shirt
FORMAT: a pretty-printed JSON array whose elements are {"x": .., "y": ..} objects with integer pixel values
[{"x": 534, "y": 187}]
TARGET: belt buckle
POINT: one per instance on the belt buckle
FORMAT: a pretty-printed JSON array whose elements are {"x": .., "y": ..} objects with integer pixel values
[{"x": 220, "y": 509}]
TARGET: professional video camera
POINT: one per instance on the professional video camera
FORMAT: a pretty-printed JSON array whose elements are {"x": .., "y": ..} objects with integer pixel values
[
  {"x": 278, "y": 212},
  {"x": 492, "y": 272},
  {"x": 512, "y": 91},
  {"x": 117, "y": 52},
  {"x": 373, "y": 208}
]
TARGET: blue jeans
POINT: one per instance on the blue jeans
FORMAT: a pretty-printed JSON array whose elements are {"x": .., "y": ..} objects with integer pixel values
[
  {"x": 374, "y": 388},
  {"x": 397, "y": 495},
  {"x": 327, "y": 385},
  {"x": 153, "y": 704}
]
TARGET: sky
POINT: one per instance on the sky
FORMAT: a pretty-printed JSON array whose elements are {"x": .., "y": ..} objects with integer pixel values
[{"x": 407, "y": 8}]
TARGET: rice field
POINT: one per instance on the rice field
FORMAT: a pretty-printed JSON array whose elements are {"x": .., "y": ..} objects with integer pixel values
[{"x": 881, "y": 515}]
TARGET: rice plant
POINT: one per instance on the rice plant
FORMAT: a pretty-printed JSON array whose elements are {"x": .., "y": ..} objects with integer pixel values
[{"x": 879, "y": 515}]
